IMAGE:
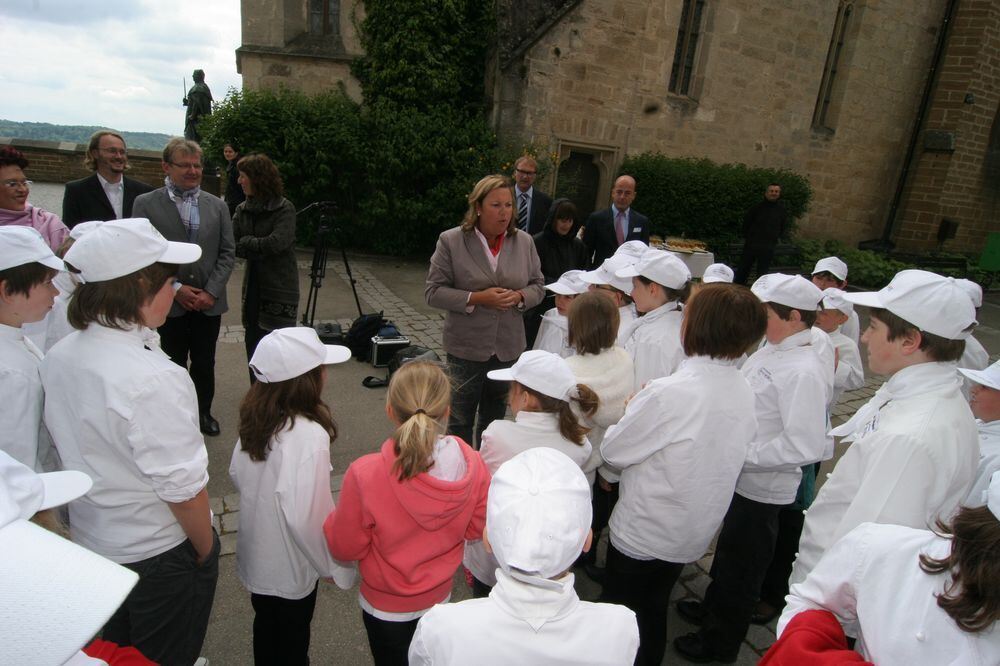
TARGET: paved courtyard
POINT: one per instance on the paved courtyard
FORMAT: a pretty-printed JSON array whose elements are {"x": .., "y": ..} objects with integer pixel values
[{"x": 395, "y": 287}]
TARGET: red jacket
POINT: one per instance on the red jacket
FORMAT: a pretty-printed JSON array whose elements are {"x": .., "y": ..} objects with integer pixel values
[
  {"x": 407, "y": 537},
  {"x": 813, "y": 637}
]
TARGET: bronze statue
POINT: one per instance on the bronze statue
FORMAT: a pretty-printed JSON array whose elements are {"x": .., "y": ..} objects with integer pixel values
[{"x": 198, "y": 103}]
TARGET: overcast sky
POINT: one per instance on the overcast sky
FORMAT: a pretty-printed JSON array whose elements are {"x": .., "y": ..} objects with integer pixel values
[{"x": 115, "y": 63}]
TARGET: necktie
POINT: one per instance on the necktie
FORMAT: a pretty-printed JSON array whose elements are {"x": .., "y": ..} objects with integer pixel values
[
  {"x": 522, "y": 212},
  {"x": 620, "y": 227}
]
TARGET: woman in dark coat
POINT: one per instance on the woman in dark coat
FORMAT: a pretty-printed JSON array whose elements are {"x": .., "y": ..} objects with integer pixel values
[
  {"x": 234, "y": 193},
  {"x": 264, "y": 227},
  {"x": 559, "y": 250}
]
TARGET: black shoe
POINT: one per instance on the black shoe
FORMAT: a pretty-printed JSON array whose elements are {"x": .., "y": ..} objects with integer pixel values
[
  {"x": 694, "y": 648},
  {"x": 594, "y": 572},
  {"x": 209, "y": 425},
  {"x": 691, "y": 610},
  {"x": 764, "y": 613}
]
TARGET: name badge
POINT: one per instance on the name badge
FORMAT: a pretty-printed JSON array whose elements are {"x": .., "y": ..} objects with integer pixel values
[{"x": 637, "y": 230}]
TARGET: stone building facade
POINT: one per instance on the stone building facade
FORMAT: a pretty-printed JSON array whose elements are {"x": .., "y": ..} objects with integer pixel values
[{"x": 831, "y": 89}]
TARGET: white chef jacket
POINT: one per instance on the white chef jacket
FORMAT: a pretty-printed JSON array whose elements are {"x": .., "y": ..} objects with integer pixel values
[
  {"x": 852, "y": 327},
  {"x": 912, "y": 463},
  {"x": 792, "y": 386},
  {"x": 526, "y": 624},
  {"x": 502, "y": 440},
  {"x": 284, "y": 499},
  {"x": 989, "y": 461},
  {"x": 850, "y": 373},
  {"x": 654, "y": 343},
  {"x": 21, "y": 399},
  {"x": 626, "y": 316},
  {"x": 126, "y": 416},
  {"x": 680, "y": 447},
  {"x": 872, "y": 582},
  {"x": 553, "y": 334}
]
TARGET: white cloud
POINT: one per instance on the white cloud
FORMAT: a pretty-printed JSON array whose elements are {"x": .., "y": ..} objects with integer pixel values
[{"x": 116, "y": 63}]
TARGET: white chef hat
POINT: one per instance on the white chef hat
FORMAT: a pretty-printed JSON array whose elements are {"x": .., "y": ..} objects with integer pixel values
[
  {"x": 542, "y": 371},
  {"x": 833, "y": 299},
  {"x": 56, "y": 595},
  {"x": 929, "y": 301},
  {"x": 569, "y": 283},
  {"x": 717, "y": 273},
  {"x": 663, "y": 268},
  {"x": 793, "y": 291},
  {"x": 538, "y": 513},
  {"x": 605, "y": 273},
  {"x": 832, "y": 265},
  {"x": 286, "y": 353}
]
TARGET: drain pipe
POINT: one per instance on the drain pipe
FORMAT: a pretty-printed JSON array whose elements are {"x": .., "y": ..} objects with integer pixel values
[{"x": 885, "y": 243}]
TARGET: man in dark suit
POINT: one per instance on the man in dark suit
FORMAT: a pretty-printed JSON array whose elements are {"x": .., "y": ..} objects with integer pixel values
[
  {"x": 107, "y": 194},
  {"x": 532, "y": 204},
  {"x": 763, "y": 226},
  {"x": 182, "y": 212},
  {"x": 607, "y": 229}
]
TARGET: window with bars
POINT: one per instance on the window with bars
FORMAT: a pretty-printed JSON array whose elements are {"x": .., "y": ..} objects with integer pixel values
[
  {"x": 682, "y": 71},
  {"x": 324, "y": 17},
  {"x": 827, "y": 103}
]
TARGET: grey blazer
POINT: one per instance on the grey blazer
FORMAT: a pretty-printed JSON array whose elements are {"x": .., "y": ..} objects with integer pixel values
[
  {"x": 459, "y": 266},
  {"x": 215, "y": 236}
]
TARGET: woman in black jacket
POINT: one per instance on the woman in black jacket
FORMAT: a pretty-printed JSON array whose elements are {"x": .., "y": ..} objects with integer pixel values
[
  {"x": 264, "y": 227},
  {"x": 559, "y": 251}
]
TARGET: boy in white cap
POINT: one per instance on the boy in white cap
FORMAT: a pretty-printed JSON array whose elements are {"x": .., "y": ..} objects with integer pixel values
[
  {"x": 914, "y": 447},
  {"x": 27, "y": 267},
  {"x": 717, "y": 273},
  {"x": 831, "y": 272},
  {"x": 56, "y": 595},
  {"x": 127, "y": 416},
  {"x": 985, "y": 403},
  {"x": 537, "y": 523},
  {"x": 791, "y": 386},
  {"x": 850, "y": 372},
  {"x": 603, "y": 280},
  {"x": 553, "y": 331},
  {"x": 660, "y": 283}
]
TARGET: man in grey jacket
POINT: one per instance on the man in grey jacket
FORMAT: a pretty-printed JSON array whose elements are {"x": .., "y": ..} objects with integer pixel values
[{"x": 182, "y": 212}]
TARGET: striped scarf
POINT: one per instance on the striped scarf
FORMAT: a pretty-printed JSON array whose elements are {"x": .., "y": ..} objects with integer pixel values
[{"x": 187, "y": 207}]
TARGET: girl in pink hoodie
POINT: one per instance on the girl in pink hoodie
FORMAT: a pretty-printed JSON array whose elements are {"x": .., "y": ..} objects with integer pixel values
[{"x": 405, "y": 512}]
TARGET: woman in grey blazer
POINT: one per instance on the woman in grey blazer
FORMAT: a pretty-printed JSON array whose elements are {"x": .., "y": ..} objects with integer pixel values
[{"x": 485, "y": 274}]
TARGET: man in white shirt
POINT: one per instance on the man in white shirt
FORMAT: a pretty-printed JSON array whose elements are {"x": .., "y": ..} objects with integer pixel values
[
  {"x": 107, "y": 194},
  {"x": 538, "y": 514},
  {"x": 985, "y": 404},
  {"x": 791, "y": 385},
  {"x": 914, "y": 448}
]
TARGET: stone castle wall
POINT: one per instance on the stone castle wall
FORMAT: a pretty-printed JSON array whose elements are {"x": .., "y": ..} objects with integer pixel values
[
  {"x": 598, "y": 81},
  {"x": 959, "y": 183}
]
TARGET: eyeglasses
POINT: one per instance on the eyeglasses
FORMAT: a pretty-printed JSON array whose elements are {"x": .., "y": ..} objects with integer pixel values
[
  {"x": 525, "y": 173},
  {"x": 14, "y": 184},
  {"x": 113, "y": 151},
  {"x": 188, "y": 166}
]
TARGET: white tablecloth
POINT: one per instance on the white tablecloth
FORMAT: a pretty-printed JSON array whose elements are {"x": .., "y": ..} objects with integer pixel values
[{"x": 696, "y": 262}]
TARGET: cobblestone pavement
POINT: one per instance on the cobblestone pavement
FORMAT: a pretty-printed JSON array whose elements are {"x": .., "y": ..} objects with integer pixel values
[{"x": 425, "y": 330}]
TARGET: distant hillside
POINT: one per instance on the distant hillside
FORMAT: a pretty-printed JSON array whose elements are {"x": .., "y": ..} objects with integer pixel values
[{"x": 77, "y": 134}]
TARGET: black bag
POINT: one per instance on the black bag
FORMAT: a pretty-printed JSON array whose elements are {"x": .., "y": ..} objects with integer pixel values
[
  {"x": 399, "y": 359},
  {"x": 359, "y": 336}
]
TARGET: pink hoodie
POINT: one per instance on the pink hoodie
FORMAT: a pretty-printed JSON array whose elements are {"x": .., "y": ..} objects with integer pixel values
[{"x": 408, "y": 537}]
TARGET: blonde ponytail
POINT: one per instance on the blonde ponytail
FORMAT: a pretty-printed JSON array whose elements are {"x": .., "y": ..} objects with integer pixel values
[{"x": 419, "y": 395}]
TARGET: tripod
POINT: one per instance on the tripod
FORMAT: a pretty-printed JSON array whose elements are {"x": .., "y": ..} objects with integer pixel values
[{"x": 329, "y": 333}]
